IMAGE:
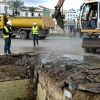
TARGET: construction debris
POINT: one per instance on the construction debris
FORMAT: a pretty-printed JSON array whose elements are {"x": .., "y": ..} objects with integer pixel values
[{"x": 68, "y": 73}]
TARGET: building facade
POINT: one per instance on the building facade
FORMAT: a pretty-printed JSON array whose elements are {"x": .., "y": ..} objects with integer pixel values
[
  {"x": 71, "y": 14},
  {"x": 4, "y": 7}
]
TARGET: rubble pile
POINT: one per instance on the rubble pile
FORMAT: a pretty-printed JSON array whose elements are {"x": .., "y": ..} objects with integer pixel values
[
  {"x": 16, "y": 67},
  {"x": 73, "y": 74}
]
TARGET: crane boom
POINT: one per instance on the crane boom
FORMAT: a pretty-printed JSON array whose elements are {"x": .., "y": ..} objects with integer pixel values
[{"x": 58, "y": 15}]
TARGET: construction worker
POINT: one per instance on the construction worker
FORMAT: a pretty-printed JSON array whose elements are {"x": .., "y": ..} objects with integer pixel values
[
  {"x": 71, "y": 31},
  {"x": 93, "y": 22},
  {"x": 35, "y": 32},
  {"x": 7, "y": 32}
]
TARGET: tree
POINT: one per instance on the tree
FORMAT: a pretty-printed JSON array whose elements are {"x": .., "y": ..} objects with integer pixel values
[
  {"x": 15, "y": 5},
  {"x": 32, "y": 9}
]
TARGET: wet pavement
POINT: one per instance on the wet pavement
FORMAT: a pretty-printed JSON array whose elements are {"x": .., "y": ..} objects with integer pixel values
[{"x": 54, "y": 45}]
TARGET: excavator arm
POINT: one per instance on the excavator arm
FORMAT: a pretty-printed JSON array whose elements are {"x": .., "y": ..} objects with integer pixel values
[
  {"x": 59, "y": 4},
  {"x": 58, "y": 15}
]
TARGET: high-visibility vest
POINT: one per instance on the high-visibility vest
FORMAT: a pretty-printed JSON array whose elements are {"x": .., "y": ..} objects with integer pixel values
[
  {"x": 6, "y": 35},
  {"x": 35, "y": 30}
]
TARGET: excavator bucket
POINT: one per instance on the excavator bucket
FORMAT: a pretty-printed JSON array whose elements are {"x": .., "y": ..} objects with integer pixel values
[
  {"x": 59, "y": 18},
  {"x": 91, "y": 43}
]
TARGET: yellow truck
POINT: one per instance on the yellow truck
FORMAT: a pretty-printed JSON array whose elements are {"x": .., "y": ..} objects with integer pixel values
[{"x": 22, "y": 25}]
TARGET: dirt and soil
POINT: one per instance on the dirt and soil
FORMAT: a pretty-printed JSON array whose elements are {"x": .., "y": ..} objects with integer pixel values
[
  {"x": 88, "y": 75},
  {"x": 6, "y": 60},
  {"x": 8, "y": 69}
]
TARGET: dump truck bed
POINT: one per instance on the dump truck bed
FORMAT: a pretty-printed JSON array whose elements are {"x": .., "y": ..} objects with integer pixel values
[{"x": 27, "y": 22}]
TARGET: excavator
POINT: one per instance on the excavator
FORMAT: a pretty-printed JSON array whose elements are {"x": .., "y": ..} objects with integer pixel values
[{"x": 89, "y": 23}]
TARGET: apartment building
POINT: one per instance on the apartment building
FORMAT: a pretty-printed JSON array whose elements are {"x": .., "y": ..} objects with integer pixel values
[{"x": 72, "y": 13}]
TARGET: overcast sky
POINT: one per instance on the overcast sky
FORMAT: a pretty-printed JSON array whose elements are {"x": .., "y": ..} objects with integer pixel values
[{"x": 68, "y": 4}]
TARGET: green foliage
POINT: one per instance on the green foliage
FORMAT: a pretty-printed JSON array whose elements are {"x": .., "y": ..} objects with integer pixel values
[
  {"x": 31, "y": 9},
  {"x": 15, "y": 4}
]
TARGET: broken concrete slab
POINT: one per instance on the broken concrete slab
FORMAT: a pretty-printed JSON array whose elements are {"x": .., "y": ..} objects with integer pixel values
[
  {"x": 91, "y": 87},
  {"x": 73, "y": 85},
  {"x": 93, "y": 67}
]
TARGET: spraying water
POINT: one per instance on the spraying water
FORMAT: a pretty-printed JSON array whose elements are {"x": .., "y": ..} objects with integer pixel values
[{"x": 48, "y": 58}]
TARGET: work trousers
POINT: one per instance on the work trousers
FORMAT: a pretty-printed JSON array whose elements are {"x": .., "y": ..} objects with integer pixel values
[
  {"x": 7, "y": 45},
  {"x": 35, "y": 39}
]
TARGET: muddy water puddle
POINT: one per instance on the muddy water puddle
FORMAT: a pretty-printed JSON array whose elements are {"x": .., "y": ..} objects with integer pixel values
[{"x": 74, "y": 57}]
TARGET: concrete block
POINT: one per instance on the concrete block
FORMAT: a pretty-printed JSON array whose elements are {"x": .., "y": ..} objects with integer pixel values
[
  {"x": 12, "y": 89},
  {"x": 41, "y": 93}
]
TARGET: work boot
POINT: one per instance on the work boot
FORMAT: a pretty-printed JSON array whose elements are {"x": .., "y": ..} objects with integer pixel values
[
  {"x": 9, "y": 53},
  {"x": 5, "y": 53}
]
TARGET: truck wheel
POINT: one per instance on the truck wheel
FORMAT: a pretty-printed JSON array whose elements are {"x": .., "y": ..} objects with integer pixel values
[
  {"x": 42, "y": 37},
  {"x": 1, "y": 34},
  {"x": 23, "y": 35},
  {"x": 86, "y": 50},
  {"x": 43, "y": 33},
  {"x": 92, "y": 50},
  {"x": 30, "y": 36}
]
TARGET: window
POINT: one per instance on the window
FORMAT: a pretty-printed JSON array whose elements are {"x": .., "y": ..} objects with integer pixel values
[
  {"x": 39, "y": 14},
  {"x": 63, "y": 16},
  {"x": 52, "y": 15},
  {"x": 85, "y": 14},
  {"x": 18, "y": 13},
  {"x": 26, "y": 14}
]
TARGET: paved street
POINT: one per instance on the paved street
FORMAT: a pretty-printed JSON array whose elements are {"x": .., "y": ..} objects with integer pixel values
[{"x": 56, "y": 45}]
